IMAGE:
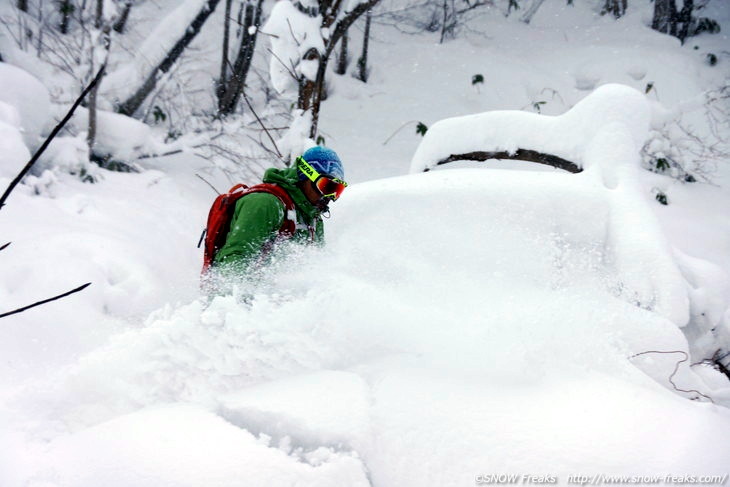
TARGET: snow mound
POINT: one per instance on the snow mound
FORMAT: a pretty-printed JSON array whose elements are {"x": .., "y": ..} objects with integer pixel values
[
  {"x": 602, "y": 134},
  {"x": 293, "y": 33},
  {"x": 68, "y": 155},
  {"x": 614, "y": 112},
  {"x": 29, "y": 97},
  {"x": 118, "y": 135}
]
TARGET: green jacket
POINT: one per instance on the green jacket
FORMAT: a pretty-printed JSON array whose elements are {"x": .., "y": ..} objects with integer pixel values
[{"x": 258, "y": 217}]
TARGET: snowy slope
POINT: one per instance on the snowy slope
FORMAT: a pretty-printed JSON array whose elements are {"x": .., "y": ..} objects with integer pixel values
[{"x": 493, "y": 333}]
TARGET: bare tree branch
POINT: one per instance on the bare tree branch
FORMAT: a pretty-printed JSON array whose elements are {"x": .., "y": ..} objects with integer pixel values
[
  {"x": 208, "y": 183},
  {"x": 20, "y": 310},
  {"x": 48, "y": 140},
  {"x": 290, "y": 70},
  {"x": 676, "y": 368},
  {"x": 262, "y": 125},
  {"x": 5, "y": 246}
]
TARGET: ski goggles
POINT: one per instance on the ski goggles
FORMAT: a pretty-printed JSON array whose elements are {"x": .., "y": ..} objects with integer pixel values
[{"x": 328, "y": 186}]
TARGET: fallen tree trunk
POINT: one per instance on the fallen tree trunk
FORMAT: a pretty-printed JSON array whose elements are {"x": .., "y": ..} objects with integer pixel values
[
  {"x": 519, "y": 155},
  {"x": 129, "y": 106}
]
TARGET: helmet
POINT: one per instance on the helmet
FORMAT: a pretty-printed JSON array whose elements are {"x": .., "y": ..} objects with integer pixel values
[{"x": 324, "y": 161}]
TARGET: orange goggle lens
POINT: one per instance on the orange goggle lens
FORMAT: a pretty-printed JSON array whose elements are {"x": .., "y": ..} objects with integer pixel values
[{"x": 330, "y": 187}]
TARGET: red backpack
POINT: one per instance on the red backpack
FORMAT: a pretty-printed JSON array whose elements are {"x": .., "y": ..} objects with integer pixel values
[{"x": 221, "y": 214}]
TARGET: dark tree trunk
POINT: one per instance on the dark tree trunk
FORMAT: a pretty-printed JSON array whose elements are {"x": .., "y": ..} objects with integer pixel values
[
  {"x": 132, "y": 104},
  {"x": 105, "y": 42},
  {"x": 318, "y": 85},
  {"x": 444, "y": 21},
  {"x": 665, "y": 16},
  {"x": 66, "y": 9},
  {"x": 362, "y": 62},
  {"x": 684, "y": 19},
  {"x": 342, "y": 58},
  {"x": 230, "y": 92},
  {"x": 615, "y": 7},
  {"x": 121, "y": 22},
  {"x": 220, "y": 88},
  {"x": 519, "y": 155},
  {"x": 310, "y": 89},
  {"x": 23, "y": 5},
  {"x": 91, "y": 130},
  {"x": 99, "y": 17}
]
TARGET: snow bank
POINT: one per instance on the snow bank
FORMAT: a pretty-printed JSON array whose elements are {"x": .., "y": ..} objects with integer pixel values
[
  {"x": 602, "y": 134},
  {"x": 29, "y": 97}
]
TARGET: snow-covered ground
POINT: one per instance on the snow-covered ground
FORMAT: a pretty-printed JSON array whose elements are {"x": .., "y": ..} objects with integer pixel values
[{"x": 459, "y": 323}]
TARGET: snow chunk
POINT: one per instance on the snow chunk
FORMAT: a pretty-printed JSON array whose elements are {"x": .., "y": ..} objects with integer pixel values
[
  {"x": 118, "y": 135},
  {"x": 68, "y": 155},
  {"x": 13, "y": 152},
  {"x": 9, "y": 115},
  {"x": 29, "y": 97},
  {"x": 296, "y": 140},
  {"x": 295, "y": 34}
]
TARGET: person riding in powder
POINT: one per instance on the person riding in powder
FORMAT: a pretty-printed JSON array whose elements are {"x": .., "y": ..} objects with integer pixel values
[{"x": 263, "y": 216}]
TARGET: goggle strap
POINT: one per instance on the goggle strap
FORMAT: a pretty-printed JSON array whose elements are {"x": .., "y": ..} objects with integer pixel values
[{"x": 307, "y": 169}]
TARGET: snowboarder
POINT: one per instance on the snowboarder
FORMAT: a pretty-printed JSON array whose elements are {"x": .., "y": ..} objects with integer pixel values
[{"x": 265, "y": 214}]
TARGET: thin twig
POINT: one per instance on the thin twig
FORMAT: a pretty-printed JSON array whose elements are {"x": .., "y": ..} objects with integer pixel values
[
  {"x": 20, "y": 310},
  {"x": 291, "y": 31},
  {"x": 262, "y": 32},
  {"x": 290, "y": 70},
  {"x": 48, "y": 140},
  {"x": 676, "y": 368},
  {"x": 208, "y": 183},
  {"x": 5, "y": 246},
  {"x": 262, "y": 124},
  {"x": 261, "y": 144},
  {"x": 164, "y": 154},
  {"x": 398, "y": 130}
]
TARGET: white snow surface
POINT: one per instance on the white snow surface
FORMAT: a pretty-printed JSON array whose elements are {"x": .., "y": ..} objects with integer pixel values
[
  {"x": 460, "y": 322},
  {"x": 485, "y": 320}
]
